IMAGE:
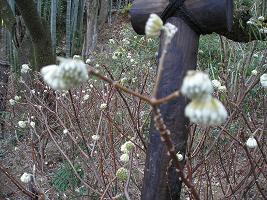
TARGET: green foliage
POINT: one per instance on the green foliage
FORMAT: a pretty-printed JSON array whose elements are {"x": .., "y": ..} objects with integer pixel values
[
  {"x": 209, "y": 53},
  {"x": 239, "y": 3},
  {"x": 126, "y": 8},
  {"x": 65, "y": 178}
]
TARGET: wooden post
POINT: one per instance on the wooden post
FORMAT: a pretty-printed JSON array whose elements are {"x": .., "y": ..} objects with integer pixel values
[{"x": 161, "y": 182}]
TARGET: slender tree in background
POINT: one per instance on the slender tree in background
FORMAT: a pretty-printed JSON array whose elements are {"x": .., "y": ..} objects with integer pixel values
[
  {"x": 68, "y": 29},
  {"x": 53, "y": 24},
  {"x": 39, "y": 33},
  {"x": 92, "y": 10}
]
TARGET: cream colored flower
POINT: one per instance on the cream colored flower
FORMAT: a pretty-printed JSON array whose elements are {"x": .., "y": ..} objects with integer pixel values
[
  {"x": 22, "y": 124},
  {"x": 127, "y": 147},
  {"x": 111, "y": 41},
  {"x": 74, "y": 72},
  {"x": 206, "y": 110},
  {"x": 122, "y": 174},
  {"x": 180, "y": 156},
  {"x": 153, "y": 25},
  {"x": 251, "y": 142},
  {"x": 69, "y": 73},
  {"x": 12, "y": 102},
  {"x": 170, "y": 31},
  {"x": 77, "y": 57},
  {"x": 216, "y": 84},
  {"x": 254, "y": 72},
  {"x": 263, "y": 80},
  {"x": 123, "y": 80},
  {"x": 103, "y": 106},
  {"x": 26, "y": 177},
  {"x": 263, "y": 30},
  {"x": 86, "y": 97},
  {"x": 52, "y": 77},
  {"x": 32, "y": 124},
  {"x": 124, "y": 157},
  {"x": 261, "y": 18},
  {"x": 17, "y": 98},
  {"x": 65, "y": 131},
  {"x": 25, "y": 68},
  {"x": 222, "y": 88},
  {"x": 95, "y": 137},
  {"x": 196, "y": 84},
  {"x": 88, "y": 61}
]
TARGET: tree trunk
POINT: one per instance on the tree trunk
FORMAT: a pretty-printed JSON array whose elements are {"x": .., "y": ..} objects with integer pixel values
[
  {"x": 40, "y": 34},
  {"x": 91, "y": 30},
  {"x": 103, "y": 13},
  {"x": 97, "y": 13}
]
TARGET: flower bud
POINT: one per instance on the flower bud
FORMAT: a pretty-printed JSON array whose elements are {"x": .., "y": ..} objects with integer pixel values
[
  {"x": 127, "y": 147},
  {"x": 22, "y": 124},
  {"x": 124, "y": 157},
  {"x": 251, "y": 142},
  {"x": 196, "y": 84},
  {"x": 26, "y": 178},
  {"x": 180, "y": 157},
  {"x": 12, "y": 102},
  {"x": 95, "y": 137},
  {"x": 206, "y": 110},
  {"x": 153, "y": 25},
  {"x": 263, "y": 80},
  {"x": 122, "y": 174}
]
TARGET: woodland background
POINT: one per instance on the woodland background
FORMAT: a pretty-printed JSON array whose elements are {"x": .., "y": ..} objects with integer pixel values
[{"x": 35, "y": 32}]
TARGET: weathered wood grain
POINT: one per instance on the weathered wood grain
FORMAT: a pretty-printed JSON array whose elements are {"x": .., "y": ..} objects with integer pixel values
[{"x": 181, "y": 56}]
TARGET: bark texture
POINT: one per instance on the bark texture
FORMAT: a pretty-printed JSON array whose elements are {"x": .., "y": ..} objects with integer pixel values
[
  {"x": 39, "y": 33},
  {"x": 97, "y": 13},
  {"x": 181, "y": 56}
]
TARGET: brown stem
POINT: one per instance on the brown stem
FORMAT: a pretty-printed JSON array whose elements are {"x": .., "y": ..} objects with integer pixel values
[
  {"x": 17, "y": 183},
  {"x": 165, "y": 137}
]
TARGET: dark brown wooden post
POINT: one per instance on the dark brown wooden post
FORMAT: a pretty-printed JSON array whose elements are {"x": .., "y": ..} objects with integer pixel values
[{"x": 161, "y": 182}]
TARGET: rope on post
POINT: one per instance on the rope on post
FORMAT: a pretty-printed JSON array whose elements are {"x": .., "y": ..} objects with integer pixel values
[{"x": 177, "y": 8}]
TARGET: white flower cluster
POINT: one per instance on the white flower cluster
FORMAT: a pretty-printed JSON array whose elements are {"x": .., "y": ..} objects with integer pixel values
[
  {"x": 26, "y": 177},
  {"x": 217, "y": 86},
  {"x": 260, "y": 23},
  {"x": 196, "y": 84},
  {"x": 103, "y": 106},
  {"x": 251, "y": 142},
  {"x": 95, "y": 137},
  {"x": 122, "y": 174},
  {"x": 263, "y": 80},
  {"x": 170, "y": 31},
  {"x": 69, "y": 73},
  {"x": 77, "y": 57},
  {"x": 203, "y": 109},
  {"x": 25, "y": 69},
  {"x": 180, "y": 156},
  {"x": 124, "y": 157},
  {"x": 254, "y": 72},
  {"x": 154, "y": 25},
  {"x": 65, "y": 131},
  {"x": 23, "y": 124},
  {"x": 15, "y": 100},
  {"x": 206, "y": 110},
  {"x": 126, "y": 149}
]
